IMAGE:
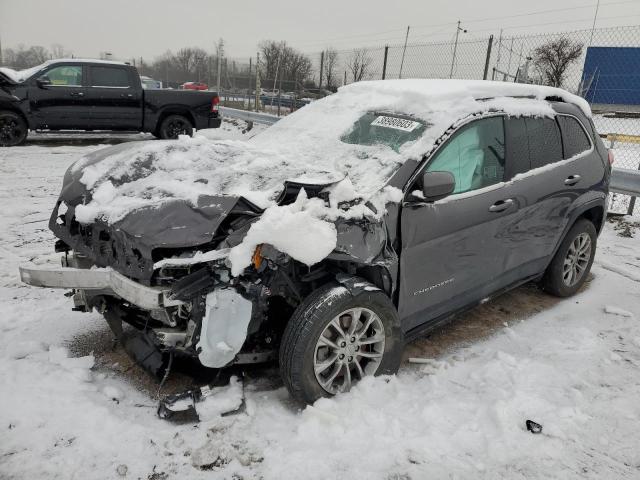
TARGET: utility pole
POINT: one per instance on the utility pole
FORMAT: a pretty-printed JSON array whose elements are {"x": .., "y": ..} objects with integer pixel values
[
  {"x": 455, "y": 48},
  {"x": 406, "y": 38},
  {"x": 0, "y": 51},
  {"x": 220, "y": 53},
  {"x": 593, "y": 27},
  {"x": 321, "y": 69}
]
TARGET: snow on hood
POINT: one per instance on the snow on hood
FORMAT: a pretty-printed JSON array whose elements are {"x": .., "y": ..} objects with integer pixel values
[{"x": 303, "y": 147}]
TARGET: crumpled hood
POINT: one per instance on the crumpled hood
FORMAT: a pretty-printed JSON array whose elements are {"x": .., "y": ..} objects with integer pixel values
[
  {"x": 110, "y": 184},
  {"x": 167, "y": 222}
]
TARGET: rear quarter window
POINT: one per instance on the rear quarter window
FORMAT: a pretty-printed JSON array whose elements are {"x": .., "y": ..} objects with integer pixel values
[
  {"x": 574, "y": 137},
  {"x": 545, "y": 144}
]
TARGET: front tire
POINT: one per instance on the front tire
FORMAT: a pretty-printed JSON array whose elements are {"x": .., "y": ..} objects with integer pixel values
[
  {"x": 13, "y": 129},
  {"x": 175, "y": 125},
  {"x": 334, "y": 338},
  {"x": 571, "y": 264}
]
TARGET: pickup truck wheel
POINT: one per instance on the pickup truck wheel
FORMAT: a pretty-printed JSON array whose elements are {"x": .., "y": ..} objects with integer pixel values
[
  {"x": 334, "y": 338},
  {"x": 175, "y": 125},
  {"x": 571, "y": 264},
  {"x": 13, "y": 129}
]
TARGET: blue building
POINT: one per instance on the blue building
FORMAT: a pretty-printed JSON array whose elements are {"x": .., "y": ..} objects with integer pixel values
[{"x": 611, "y": 76}]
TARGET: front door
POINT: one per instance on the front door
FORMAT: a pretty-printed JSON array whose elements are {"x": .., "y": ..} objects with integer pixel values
[
  {"x": 114, "y": 98},
  {"x": 60, "y": 104},
  {"x": 451, "y": 248}
]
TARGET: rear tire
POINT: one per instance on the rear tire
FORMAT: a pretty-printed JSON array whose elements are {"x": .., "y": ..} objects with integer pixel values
[
  {"x": 303, "y": 354},
  {"x": 13, "y": 129},
  {"x": 571, "y": 264},
  {"x": 175, "y": 125}
]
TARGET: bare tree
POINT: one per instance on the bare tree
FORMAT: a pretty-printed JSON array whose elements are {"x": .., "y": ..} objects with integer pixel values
[
  {"x": 554, "y": 57},
  {"x": 25, "y": 57},
  {"x": 331, "y": 67},
  {"x": 360, "y": 65},
  {"x": 291, "y": 65},
  {"x": 58, "y": 51}
]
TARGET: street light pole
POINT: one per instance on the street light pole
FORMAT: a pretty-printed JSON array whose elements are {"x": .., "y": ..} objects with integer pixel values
[
  {"x": 455, "y": 48},
  {"x": 593, "y": 27}
]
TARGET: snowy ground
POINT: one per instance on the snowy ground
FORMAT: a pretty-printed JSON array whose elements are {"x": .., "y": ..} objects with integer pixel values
[{"x": 571, "y": 365}]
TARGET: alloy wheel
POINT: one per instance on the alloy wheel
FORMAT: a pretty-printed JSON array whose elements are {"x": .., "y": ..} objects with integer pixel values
[
  {"x": 350, "y": 347},
  {"x": 576, "y": 260}
]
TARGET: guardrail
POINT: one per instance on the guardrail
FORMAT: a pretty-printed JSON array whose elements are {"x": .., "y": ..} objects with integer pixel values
[
  {"x": 249, "y": 116},
  {"x": 625, "y": 181}
]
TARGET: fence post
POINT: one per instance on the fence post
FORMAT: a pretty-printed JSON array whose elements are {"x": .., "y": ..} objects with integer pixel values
[
  {"x": 257, "y": 99},
  {"x": 249, "y": 87},
  {"x": 486, "y": 62},
  {"x": 384, "y": 64},
  {"x": 321, "y": 68}
]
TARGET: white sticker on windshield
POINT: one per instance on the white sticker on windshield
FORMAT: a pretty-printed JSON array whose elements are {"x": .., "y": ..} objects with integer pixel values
[{"x": 396, "y": 123}]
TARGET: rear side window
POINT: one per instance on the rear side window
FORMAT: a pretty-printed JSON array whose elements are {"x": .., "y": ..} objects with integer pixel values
[
  {"x": 109, "y": 77},
  {"x": 545, "y": 144},
  {"x": 574, "y": 137},
  {"x": 474, "y": 155}
]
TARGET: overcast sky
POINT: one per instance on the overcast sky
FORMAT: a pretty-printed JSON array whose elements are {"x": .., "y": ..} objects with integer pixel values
[{"x": 147, "y": 28}]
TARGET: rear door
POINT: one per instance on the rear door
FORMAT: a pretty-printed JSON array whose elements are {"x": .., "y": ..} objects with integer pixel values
[
  {"x": 61, "y": 103},
  {"x": 547, "y": 174},
  {"x": 114, "y": 96},
  {"x": 450, "y": 248}
]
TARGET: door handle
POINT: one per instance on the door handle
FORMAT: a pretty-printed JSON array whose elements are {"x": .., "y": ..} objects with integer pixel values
[
  {"x": 501, "y": 205},
  {"x": 572, "y": 179},
  {"x": 77, "y": 94}
]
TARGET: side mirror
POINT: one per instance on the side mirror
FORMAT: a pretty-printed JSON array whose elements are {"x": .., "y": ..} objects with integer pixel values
[
  {"x": 43, "y": 81},
  {"x": 437, "y": 185}
]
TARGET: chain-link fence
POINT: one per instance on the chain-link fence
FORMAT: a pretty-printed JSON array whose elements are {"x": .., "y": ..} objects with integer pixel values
[{"x": 605, "y": 71}]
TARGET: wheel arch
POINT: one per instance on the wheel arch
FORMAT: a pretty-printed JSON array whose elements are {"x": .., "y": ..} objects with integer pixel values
[
  {"x": 594, "y": 211},
  {"x": 7, "y": 107},
  {"x": 175, "y": 110}
]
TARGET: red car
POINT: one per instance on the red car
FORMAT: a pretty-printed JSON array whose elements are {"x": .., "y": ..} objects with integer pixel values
[{"x": 194, "y": 86}]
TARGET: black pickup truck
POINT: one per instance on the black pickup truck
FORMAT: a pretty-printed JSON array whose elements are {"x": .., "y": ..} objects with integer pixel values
[{"x": 97, "y": 95}]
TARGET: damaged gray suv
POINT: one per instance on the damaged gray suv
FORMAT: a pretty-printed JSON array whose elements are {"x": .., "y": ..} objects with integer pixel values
[{"x": 337, "y": 235}]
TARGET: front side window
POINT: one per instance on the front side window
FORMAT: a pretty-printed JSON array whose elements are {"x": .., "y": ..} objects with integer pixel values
[
  {"x": 65, "y": 76},
  {"x": 574, "y": 137},
  {"x": 387, "y": 129},
  {"x": 109, "y": 77},
  {"x": 474, "y": 155}
]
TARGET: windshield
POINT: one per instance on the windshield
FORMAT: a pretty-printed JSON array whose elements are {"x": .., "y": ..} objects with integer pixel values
[{"x": 392, "y": 130}]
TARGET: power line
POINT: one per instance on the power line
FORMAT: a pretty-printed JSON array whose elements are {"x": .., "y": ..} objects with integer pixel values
[
  {"x": 537, "y": 12},
  {"x": 400, "y": 31}
]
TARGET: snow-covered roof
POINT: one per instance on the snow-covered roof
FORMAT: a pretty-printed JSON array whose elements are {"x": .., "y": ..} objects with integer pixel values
[
  {"x": 20, "y": 76},
  {"x": 305, "y": 146}
]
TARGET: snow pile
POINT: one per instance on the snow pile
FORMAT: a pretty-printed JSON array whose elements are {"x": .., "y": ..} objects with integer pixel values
[{"x": 291, "y": 229}]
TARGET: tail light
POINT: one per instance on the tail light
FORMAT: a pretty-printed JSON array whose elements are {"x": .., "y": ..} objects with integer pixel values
[
  {"x": 214, "y": 103},
  {"x": 611, "y": 158}
]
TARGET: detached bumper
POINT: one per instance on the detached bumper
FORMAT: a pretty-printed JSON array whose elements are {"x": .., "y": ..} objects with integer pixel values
[{"x": 105, "y": 280}]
